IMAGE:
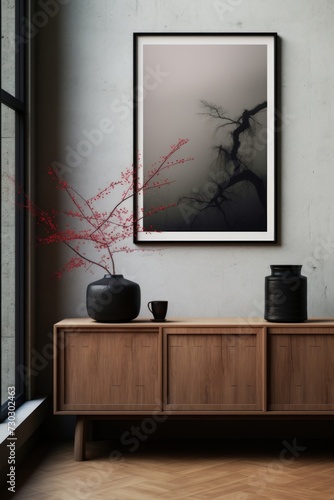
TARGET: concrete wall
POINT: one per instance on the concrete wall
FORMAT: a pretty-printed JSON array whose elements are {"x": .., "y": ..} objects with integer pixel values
[
  {"x": 7, "y": 203},
  {"x": 84, "y": 64}
]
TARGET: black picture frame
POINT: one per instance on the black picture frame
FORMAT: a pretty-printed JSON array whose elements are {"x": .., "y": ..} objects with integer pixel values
[{"x": 217, "y": 93}]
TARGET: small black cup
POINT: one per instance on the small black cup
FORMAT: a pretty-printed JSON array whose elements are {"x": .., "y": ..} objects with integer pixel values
[{"x": 158, "y": 308}]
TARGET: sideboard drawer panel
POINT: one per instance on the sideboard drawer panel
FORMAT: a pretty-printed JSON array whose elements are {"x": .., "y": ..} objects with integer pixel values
[
  {"x": 103, "y": 371},
  {"x": 213, "y": 371},
  {"x": 301, "y": 371}
]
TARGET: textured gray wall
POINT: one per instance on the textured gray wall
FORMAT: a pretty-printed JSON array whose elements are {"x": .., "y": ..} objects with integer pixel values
[{"x": 85, "y": 61}]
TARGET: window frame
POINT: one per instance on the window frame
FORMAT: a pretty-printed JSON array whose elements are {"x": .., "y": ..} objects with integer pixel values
[{"x": 18, "y": 104}]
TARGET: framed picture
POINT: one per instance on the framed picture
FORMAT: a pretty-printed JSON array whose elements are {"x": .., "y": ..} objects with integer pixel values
[{"x": 204, "y": 137}]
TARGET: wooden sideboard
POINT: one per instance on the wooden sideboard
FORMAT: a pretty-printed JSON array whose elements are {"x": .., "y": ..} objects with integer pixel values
[{"x": 223, "y": 366}]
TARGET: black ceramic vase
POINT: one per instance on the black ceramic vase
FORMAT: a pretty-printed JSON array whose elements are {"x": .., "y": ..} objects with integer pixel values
[
  {"x": 113, "y": 299},
  {"x": 286, "y": 295}
]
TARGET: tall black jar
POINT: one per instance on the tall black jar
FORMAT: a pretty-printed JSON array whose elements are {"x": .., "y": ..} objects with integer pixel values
[
  {"x": 113, "y": 299},
  {"x": 286, "y": 294}
]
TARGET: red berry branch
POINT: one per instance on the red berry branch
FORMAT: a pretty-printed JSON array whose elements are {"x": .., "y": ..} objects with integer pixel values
[{"x": 105, "y": 232}]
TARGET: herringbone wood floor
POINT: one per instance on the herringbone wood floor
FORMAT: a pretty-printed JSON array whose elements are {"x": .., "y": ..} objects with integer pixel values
[{"x": 184, "y": 469}]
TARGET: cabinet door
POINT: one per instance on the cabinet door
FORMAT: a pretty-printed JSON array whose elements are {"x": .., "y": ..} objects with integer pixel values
[
  {"x": 108, "y": 370},
  {"x": 301, "y": 370},
  {"x": 213, "y": 369}
]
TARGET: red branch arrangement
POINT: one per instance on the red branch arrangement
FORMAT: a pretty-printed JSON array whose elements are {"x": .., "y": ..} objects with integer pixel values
[{"x": 104, "y": 232}]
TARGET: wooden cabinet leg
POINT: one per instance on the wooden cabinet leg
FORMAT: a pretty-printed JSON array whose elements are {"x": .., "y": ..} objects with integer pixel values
[{"x": 80, "y": 438}]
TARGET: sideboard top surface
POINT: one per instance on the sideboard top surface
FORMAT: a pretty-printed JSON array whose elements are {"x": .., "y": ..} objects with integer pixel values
[{"x": 195, "y": 322}]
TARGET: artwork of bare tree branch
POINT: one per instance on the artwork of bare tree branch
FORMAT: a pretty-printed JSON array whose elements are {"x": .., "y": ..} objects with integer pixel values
[{"x": 235, "y": 196}]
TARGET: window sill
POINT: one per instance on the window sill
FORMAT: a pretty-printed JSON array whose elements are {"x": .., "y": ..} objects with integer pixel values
[
  {"x": 28, "y": 418},
  {"x": 29, "y": 415}
]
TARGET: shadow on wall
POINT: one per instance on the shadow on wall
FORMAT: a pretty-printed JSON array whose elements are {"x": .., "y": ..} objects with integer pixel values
[{"x": 49, "y": 63}]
